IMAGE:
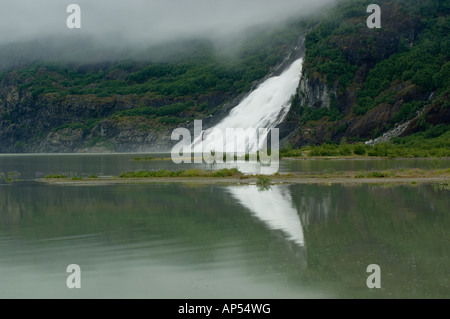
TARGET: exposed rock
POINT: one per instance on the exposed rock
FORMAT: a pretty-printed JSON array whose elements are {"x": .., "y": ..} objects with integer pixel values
[
  {"x": 386, "y": 137},
  {"x": 65, "y": 141},
  {"x": 313, "y": 93},
  {"x": 29, "y": 124}
]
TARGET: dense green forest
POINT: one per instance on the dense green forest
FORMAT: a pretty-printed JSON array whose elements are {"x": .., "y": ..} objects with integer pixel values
[
  {"x": 197, "y": 70},
  {"x": 167, "y": 85},
  {"x": 380, "y": 77}
]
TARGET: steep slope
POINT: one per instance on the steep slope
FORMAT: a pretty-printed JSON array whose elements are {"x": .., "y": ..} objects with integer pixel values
[
  {"x": 359, "y": 83},
  {"x": 132, "y": 104}
]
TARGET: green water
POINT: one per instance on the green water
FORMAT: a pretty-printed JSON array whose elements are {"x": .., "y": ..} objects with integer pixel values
[
  {"x": 38, "y": 165},
  {"x": 179, "y": 241}
]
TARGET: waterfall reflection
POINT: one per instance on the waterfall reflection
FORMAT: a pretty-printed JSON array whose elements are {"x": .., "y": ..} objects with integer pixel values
[{"x": 274, "y": 207}]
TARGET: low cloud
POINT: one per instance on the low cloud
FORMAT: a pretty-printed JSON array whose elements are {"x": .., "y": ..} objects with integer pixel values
[
  {"x": 145, "y": 20},
  {"x": 33, "y": 30}
]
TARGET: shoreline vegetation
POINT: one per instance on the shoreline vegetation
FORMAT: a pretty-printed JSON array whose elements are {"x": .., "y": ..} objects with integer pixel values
[
  {"x": 305, "y": 157},
  {"x": 431, "y": 144},
  {"x": 234, "y": 176}
]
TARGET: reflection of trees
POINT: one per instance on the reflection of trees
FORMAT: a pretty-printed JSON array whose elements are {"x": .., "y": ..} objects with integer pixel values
[
  {"x": 11, "y": 209},
  {"x": 404, "y": 229},
  {"x": 197, "y": 217},
  {"x": 53, "y": 210}
]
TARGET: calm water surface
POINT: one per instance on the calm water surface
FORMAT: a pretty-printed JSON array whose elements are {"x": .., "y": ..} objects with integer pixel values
[
  {"x": 38, "y": 165},
  {"x": 181, "y": 241}
]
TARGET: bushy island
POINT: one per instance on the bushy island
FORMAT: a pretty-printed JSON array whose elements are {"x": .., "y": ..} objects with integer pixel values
[
  {"x": 225, "y": 172},
  {"x": 234, "y": 176}
]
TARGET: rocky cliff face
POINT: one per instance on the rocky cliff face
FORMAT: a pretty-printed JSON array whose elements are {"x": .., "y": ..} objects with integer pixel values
[
  {"x": 314, "y": 93},
  {"x": 360, "y": 83},
  {"x": 29, "y": 124},
  {"x": 377, "y": 124},
  {"x": 78, "y": 123}
]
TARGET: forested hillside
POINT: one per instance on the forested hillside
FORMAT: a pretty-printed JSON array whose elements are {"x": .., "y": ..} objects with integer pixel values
[
  {"x": 360, "y": 83},
  {"x": 119, "y": 105}
]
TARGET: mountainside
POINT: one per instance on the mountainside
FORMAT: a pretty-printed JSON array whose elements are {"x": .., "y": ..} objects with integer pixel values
[
  {"x": 132, "y": 104},
  {"x": 357, "y": 84}
]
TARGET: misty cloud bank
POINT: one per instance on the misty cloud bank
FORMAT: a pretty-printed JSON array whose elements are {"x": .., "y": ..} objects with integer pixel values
[
  {"x": 40, "y": 26},
  {"x": 146, "y": 20}
]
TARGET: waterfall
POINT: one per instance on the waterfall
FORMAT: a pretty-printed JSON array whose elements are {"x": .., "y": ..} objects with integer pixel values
[{"x": 265, "y": 107}]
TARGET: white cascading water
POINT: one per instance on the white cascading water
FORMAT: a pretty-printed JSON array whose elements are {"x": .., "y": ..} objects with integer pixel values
[
  {"x": 265, "y": 107},
  {"x": 273, "y": 207}
]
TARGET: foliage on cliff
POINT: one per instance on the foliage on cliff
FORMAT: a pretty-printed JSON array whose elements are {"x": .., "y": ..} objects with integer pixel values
[
  {"x": 46, "y": 105},
  {"x": 381, "y": 77}
]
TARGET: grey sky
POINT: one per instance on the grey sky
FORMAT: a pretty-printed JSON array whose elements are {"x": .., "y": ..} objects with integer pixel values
[{"x": 145, "y": 21}]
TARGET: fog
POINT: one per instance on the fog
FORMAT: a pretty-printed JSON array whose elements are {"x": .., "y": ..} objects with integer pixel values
[{"x": 118, "y": 24}]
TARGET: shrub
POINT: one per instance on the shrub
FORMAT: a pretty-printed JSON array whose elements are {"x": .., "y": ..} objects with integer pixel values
[
  {"x": 375, "y": 175},
  {"x": 359, "y": 149},
  {"x": 227, "y": 172},
  {"x": 55, "y": 176},
  {"x": 345, "y": 150},
  {"x": 263, "y": 182},
  {"x": 380, "y": 150},
  {"x": 324, "y": 150}
]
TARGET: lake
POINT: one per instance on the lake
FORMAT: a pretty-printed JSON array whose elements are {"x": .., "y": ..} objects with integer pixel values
[
  {"x": 34, "y": 166},
  {"x": 213, "y": 241}
]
